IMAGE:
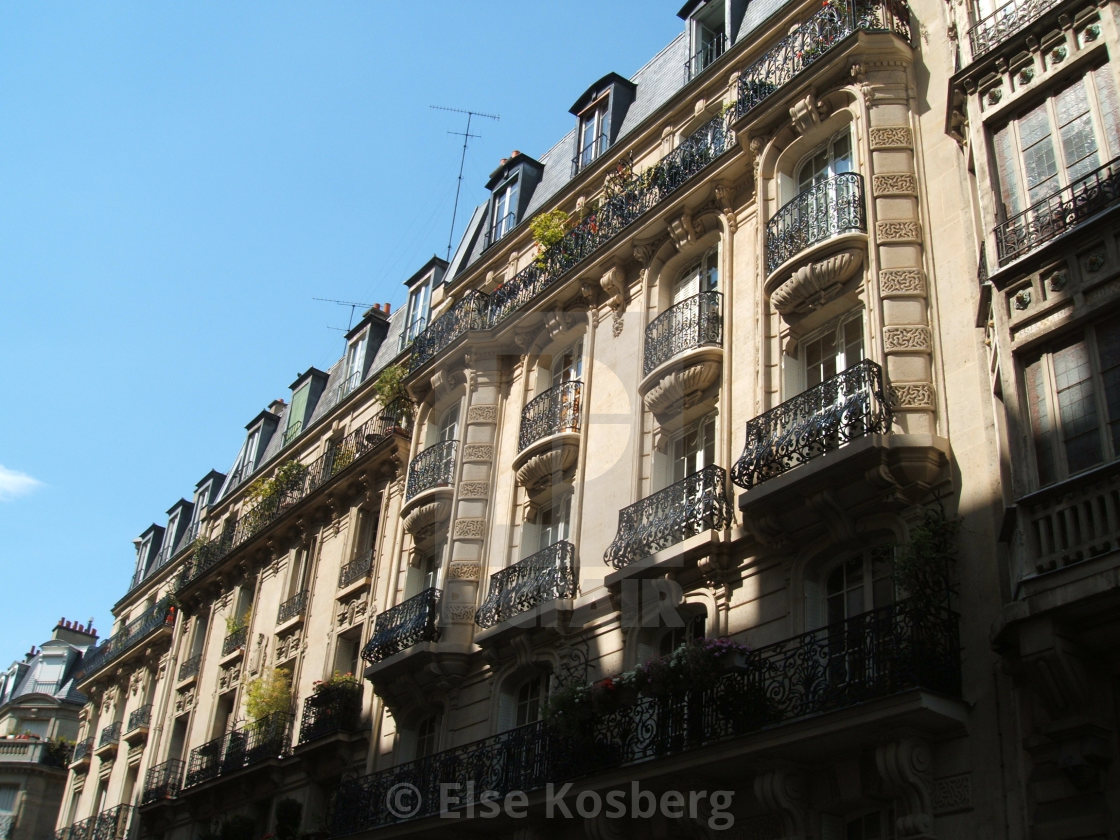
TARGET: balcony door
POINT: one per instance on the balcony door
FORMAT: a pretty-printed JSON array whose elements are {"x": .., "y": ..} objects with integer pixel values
[
  {"x": 702, "y": 276},
  {"x": 854, "y": 634},
  {"x": 567, "y": 366},
  {"x": 823, "y": 199},
  {"x": 693, "y": 449},
  {"x": 832, "y": 350}
]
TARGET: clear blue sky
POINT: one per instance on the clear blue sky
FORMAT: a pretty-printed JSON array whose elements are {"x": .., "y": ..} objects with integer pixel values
[{"x": 179, "y": 181}]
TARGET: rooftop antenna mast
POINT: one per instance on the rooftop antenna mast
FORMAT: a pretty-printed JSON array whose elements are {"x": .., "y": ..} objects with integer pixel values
[
  {"x": 353, "y": 304},
  {"x": 463, "y": 159}
]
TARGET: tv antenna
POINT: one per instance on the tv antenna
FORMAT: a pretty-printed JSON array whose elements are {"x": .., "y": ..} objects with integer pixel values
[
  {"x": 353, "y": 304},
  {"x": 463, "y": 159}
]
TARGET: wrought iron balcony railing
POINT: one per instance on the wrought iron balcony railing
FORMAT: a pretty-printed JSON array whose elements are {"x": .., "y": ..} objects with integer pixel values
[
  {"x": 292, "y": 607},
  {"x": 1004, "y": 22},
  {"x": 139, "y": 718},
  {"x": 335, "y": 460},
  {"x": 590, "y": 152},
  {"x": 355, "y": 570},
  {"x": 112, "y": 824},
  {"x": 467, "y": 314},
  {"x": 900, "y": 647},
  {"x": 163, "y": 781},
  {"x": 550, "y": 413},
  {"x": 1059, "y": 212},
  {"x": 434, "y": 467},
  {"x": 7, "y": 826},
  {"x": 110, "y": 734},
  {"x": 811, "y": 40},
  {"x": 82, "y": 750},
  {"x": 827, "y": 209},
  {"x": 636, "y": 197},
  {"x": 189, "y": 667},
  {"x": 404, "y": 625},
  {"x": 293, "y": 431},
  {"x": 689, "y": 507},
  {"x": 239, "y": 748},
  {"x": 235, "y": 640},
  {"x": 694, "y": 322},
  {"x": 699, "y": 61},
  {"x": 841, "y": 409},
  {"x": 160, "y": 614},
  {"x": 539, "y": 578},
  {"x": 330, "y": 711}
]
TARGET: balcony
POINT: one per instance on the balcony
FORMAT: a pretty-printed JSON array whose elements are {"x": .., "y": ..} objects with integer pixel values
[
  {"x": 83, "y": 750},
  {"x": 403, "y": 626},
  {"x": 138, "y": 723},
  {"x": 113, "y": 824},
  {"x": 682, "y": 510},
  {"x": 159, "y": 617},
  {"x": 330, "y": 712},
  {"x": 700, "y": 60},
  {"x": 293, "y": 431},
  {"x": 1004, "y": 22},
  {"x": 539, "y": 579},
  {"x": 836, "y": 412},
  {"x": 1059, "y": 213},
  {"x": 339, "y": 458},
  {"x": 548, "y": 440},
  {"x": 163, "y": 781},
  {"x": 293, "y": 607},
  {"x": 7, "y": 825},
  {"x": 805, "y": 231},
  {"x": 683, "y": 353},
  {"x": 28, "y": 751},
  {"x": 428, "y": 492},
  {"x": 635, "y": 198},
  {"x": 235, "y": 640},
  {"x": 355, "y": 570},
  {"x": 903, "y": 655},
  {"x": 811, "y": 41},
  {"x": 239, "y": 748},
  {"x": 590, "y": 153},
  {"x": 189, "y": 667},
  {"x": 110, "y": 738}
]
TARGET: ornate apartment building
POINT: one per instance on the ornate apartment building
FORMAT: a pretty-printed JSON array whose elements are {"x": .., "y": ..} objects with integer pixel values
[{"x": 805, "y": 337}]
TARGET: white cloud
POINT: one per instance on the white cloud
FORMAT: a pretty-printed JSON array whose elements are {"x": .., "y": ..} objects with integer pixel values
[{"x": 14, "y": 483}]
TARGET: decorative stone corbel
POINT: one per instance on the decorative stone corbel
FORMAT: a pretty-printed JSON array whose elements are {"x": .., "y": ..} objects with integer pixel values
[
  {"x": 556, "y": 322},
  {"x": 806, "y": 113},
  {"x": 782, "y": 791},
  {"x": 725, "y": 196},
  {"x": 529, "y": 511},
  {"x": 613, "y": 282},
  {"x": 905, "y": 766},
  {"x": 684, "y": 230}
]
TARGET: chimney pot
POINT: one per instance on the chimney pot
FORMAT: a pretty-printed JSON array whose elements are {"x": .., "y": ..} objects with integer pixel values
[
  {"x": 503, "y": 161},
  {"x": 516, "y": 152},
  {"x": 386, "y": 309}
]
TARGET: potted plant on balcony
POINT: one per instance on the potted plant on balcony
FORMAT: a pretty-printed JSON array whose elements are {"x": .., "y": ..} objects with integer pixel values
[
  {"x": 547, "y": 229},
  {"x": 337, "y": 689},
  {"x": 391, "y": 392}
]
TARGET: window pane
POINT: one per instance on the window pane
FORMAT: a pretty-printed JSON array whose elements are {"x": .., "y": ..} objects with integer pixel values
[
  {"x": 1108, "y": 349},
  {"x": 1076, "y": 408},
  {"x": 1007, "y": 162},
  {"x": 1110, "y": 109},
  {"x": 1079, "y": 144},
  {"x": 1041, "y": 427}
]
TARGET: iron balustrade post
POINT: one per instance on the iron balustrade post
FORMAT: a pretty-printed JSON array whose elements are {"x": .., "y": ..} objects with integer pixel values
[
  {"x": 292, "y": 607},
  {"x": 404, "y": 625},
  {"x": 841, "y": 409},
  {"x": 694, "y": 322},
  {"x": 684, "y": 509},
  {"x": 163, "y": 781},
  {"x": 329, "y": 711},
  {"x": 544, "y": 576}
]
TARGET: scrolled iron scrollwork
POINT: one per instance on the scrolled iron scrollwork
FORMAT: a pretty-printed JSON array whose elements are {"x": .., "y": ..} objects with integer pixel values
[
  {"x": 694, "y": 322},
  {"x": 539, "y": 578},
  {"x": 402, "y": 626}
]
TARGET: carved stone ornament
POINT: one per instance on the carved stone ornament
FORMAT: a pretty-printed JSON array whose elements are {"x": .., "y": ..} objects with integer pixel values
[
  {"x": 806, "y": 113},
  {"x": 725, "y": 198},
  {"x": 469, "y": 528},
  {"x": 482, "y": 414},
  {"x": 899, "y": 231},
  {"x": 891, "y": 137},
  {"x": 463, "y": 571},
  {"x": 911, "y": 395},
  {"x": 901, "y": 282},
  {"x": 478, "y": 453},
  {"x": 462, "y": 614},
  {"x": 474, "y": 489},
  {"x": 905, "y": 766},
  {"x": 685, "y": 230},
  {"x": 422, "y": 519},
  {"x": 894, "y": 183},
  {"x": 913, "y": 339},
  {"x": 681, "y": 387},
  {"x": 817, "y": 283},
  {"x": 613, "y": 282},
  {"x": 782, "y": 792},
  {"x": 617, "y": 323}
]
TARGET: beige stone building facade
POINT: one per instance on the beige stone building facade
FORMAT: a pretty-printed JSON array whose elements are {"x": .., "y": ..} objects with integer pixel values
[{"x": 805, "y": 337}]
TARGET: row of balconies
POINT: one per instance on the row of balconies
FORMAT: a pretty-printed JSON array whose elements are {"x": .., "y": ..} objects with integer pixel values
[
  {"x": 328, "y": 712},
  {"x": 134, "y": 731},
  {"x": 905, "y": 647},
  {"x": 160, "y": 616},
  {"x": 113, "y": 824},
  {"x": 340, "y": 457}
]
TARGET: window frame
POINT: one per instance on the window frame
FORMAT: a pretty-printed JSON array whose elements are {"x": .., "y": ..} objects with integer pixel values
[
  {"x": 503, "y": 217},
  {"x": 597, "y": 116}
]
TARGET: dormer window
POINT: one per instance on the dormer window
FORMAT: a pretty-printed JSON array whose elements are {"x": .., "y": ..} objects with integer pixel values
[
  {"x": 600, "y": 110},
  {"x": 295, "y": 414},
  {"x": 594, "y": 131},
  {"x": 355, "y": 361},
  {"x": 505, "y": 209},
  {"x": 419, "y": 300}
]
